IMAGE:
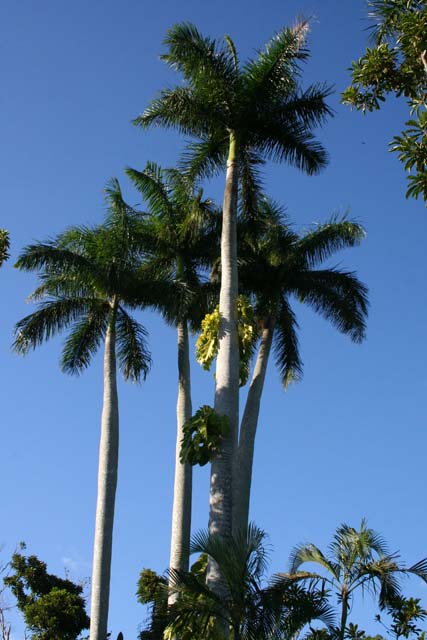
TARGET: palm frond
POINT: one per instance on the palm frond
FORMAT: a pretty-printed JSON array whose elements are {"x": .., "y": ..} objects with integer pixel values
[
  {"x": 84, "y": 339},
  {"x": 151, "y": 184},
  {"x": 132, "y": 354},
  {"x": 281, "y": 140},
  {"x": 303, "y": 553},
  {"x": 318, "y": 245},
  {"x": 50, "y": 256},
  {"x": 338, "y": 296},
  {"x": 51, "y": 317},
  {"x": 203, "y": 158},
  {"x": 182, "y": 109},
  {"x": 278, "y": 64},
  {"x": 201, "y": 60},
  {"x": 286, "y": 345}
]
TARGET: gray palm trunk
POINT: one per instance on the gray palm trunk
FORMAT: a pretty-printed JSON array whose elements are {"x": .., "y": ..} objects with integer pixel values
[
  {"x": 245, "y": 454},
  {"x": 227, "y": 370},
  {"x": 107, "y": 482},
  {"x": 181, "y": 512}
]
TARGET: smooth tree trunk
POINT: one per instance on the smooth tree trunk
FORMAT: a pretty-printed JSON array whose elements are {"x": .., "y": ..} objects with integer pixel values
[
  {"x": 245, "y": 454},
  {"x": 227, "y": 369},
  {"x": 181, "y": 512},
  {"x": 107, "y": 482}
]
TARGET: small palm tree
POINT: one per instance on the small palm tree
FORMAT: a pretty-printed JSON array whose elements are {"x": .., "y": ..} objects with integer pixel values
[
  {"x": 180, "y": 238},
  {"x": 251, "y": 608},
  {"x": 275, "y": 266},
  {"x": 358, "y": 559},
  {"x": 88, "y": 278},
  {"x": 240, "y": 116}
]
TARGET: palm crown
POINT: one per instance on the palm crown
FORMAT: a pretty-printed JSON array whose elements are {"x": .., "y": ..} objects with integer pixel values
[
  {"x": 180, "y": 237},
  {"x": 250, "y": 608},
  {"x": 89, "y": 276},
  {"x": 260, "y": 102},
  {"x": 358, "y": 559}
]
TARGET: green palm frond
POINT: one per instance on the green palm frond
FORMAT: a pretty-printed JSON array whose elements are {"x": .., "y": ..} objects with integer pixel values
[
  {"x": 201, "y": 60},
  {"x": 318, "y": 245},
  {"x": 278, "y": 64},
  {"x": 338, "y": 296},
  {"x": 50, "y": 256},
  {"x": 203, "y": 158},
  {"x": 4, "y": 246},
  {"x": 303, "y": 553},
  {"x": 182, "y": 109},
  {"x": 132, "y": 354},
  {"x": 151, "y": 184},
  {"x": 286, "y": 345},
  {"x": 280, "y": 140},
  {"x": 84, "y": 339},
  {"x": 51, "y": 317}
]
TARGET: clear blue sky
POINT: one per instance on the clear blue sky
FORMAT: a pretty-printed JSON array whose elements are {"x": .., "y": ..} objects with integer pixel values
[{"x": 347, "y": 442}]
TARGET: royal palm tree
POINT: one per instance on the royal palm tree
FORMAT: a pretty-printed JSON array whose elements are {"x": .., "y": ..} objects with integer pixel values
[
  {"x": 357, "y": 560},
  {"x": 240, "y": 116},
  {"x": 180, "y": 238},
  {"x": 277, "y": 265},
  {"x": 251, "y": 608},
  {"x": 4, "y": 246},
  {"x": 88, "y": 278}
]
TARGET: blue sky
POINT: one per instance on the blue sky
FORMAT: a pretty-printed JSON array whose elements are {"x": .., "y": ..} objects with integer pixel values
[{"x": 347, "y": 442}]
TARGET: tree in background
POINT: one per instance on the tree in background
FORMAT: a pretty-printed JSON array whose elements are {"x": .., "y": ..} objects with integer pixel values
[
  {"x": 277, "y": 265},
  {"x": 180, "y": 239},
  {"x": 88, "y": 278},
  {"x": 357, "y": 560},
  {"x": 52, "y": 607},
  {"x": 251, "y": 607},
  {"x": 4, "y": 246},
  {"x": 240, "y": 116},
  {"x": 397, "y": 64}
]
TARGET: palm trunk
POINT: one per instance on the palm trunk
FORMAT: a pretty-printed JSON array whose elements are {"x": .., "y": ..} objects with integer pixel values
[
  {"x": 344, "y": 613},
  {"x": 181, "y": 513},
  {"x": 227, "y": 368},
  {"x": 107, "y": 482},
  {"x": 245, "y": 455}
]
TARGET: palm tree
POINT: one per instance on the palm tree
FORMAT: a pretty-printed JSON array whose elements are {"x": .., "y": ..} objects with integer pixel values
[
  {"x": 240, "y": 116},
  {"x": 88, "y": 278},
  {"x": 181, "y": 234},
  {"x": 358, "y": 559},
  {"x": 276, "y": 264},
  {"x": 4, "y": 246},
  {"x": 249, "y": 608}
]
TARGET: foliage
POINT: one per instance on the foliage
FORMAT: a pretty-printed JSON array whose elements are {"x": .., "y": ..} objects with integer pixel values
[
  {"x": 180, "y": 238},
  {"x": 4, "y": 246},
  {"x": 203, "y": 434},
  {"x": 258, "y": 104},
  {"x": 52, "y": 607},
  {"x": 88, "y": 278},
  {"x": 250, "y": 610},
  {"x": 208, "y": 341},
  {"x": 397, "y": 64},
  {"x": 152, "y": 590},
  {"x": 277, "y": 265},
  {"x": 358, "y": 560}
]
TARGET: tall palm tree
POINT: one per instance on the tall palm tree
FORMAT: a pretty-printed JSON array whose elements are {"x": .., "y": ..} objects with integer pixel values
[
  {"x": 88, "y": 278},
  {"x": 240, "y": 116},
  {"x": 357, "y": 560},
  {"x": 4, "y": 246},
  {"x": 250, "y": 608},
  {"x": 276, "y": 265},
  {"x": 181, "y": 237}
]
